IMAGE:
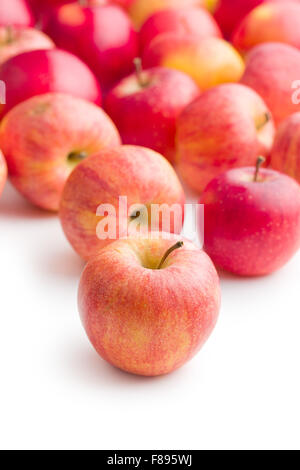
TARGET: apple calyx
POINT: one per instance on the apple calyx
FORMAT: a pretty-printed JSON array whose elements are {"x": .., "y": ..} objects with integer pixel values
[
  {"x": 139, "y": 72},
  {"x": 169, "y": 251},
  {"x": 76, "y": 157},
  {"x": 265, "y": 119},
  {"x": 259, "y": 163}
]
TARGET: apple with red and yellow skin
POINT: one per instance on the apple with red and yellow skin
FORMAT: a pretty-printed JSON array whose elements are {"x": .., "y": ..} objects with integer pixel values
[
  {"x": 15, "y": 40},
  {"x": 139, "y": 174},
  {"x": 271, "y": 70},
  {"x": 227, "y": 126},
  {"x": 15, "y": 13},
  {"x": 209, "y": 61},
  {"x": 229, "y": 13},
  {"x": 285, "y": 155},
  {"x": 252, "y": 220},
  {"x": 145, "y": 107},
  {"x": 144, "y": 318},
  {"x": 102, "y": 36},
  {"x": 270, "y": 22},
  {"x": 44, "y": 138},
  {"x": 3, "y": 172},
  {"x": 37, "y": 72},
  {"x": 184, "y": 21}
]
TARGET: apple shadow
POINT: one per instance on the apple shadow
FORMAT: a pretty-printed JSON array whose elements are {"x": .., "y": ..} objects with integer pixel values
[{"x": 62, "y": 263}]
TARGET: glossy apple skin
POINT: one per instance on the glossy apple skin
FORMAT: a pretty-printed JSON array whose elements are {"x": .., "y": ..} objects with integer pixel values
[
  {"x": 271, "y": 69},
  {"x": 103, "y": 36},
  {"x": 38, "y": 135},
  {"x": 143, "y": 320},
  {"x": 140, "y": 174},
  {"x": 42, "y": 71},
  {"x": 3, "y": 172},
  {"x": 270, "y": 22},
  {"x": 184, "y": 21},
  {"x": 285, "y": 155},
  {"x": 147, "y": 115},
  {"x": 209, "y": 61},
  {"x": 223, "y": 128},
  {"x": 251, "y": 228},
  {"x": 20, "y": 39},
  {"x": 15, "y": 13}
]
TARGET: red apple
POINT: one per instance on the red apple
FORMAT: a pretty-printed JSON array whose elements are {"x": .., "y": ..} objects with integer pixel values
[
  {"x": 191, "y": 21},
  {"x": 3, "y": 172},
  {"x": 285, "y": 156},
  {"x": 227, "y": 126},
  {"x": 145, "y": 107},
  {"x": 15, "y": 13},
  {"x": 42, "y": 71},
  {"x": 209, "y": 61},
  {"x": 16, "y": 40},
  {"x": 144, "y": 318},
  {"x": 45, "y": 137},
  {"x": 139, "y": 174},
  {"x": 252, "y": 220},
  {"x": 270, "y": 22},
  {"x": 103, "y": 36},
  {"x": 271, "y": 70},
  {"x": 229, "y": 13}
]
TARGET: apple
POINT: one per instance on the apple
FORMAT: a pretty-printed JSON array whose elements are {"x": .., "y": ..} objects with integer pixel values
[
  {"x": 229, "y": 13},
  {"x": 270, "y": 22},
  {"x": 227, "y": 126},
  {"x": 191, "y": 20},
  {"x": 252, "y": 220},
  {"x": 3, "y": 172},
  {"x": 143, "y": 316},
  {"x": 145, "y": 107},
  {"x": 140, "y": 175},
  {"x": 209, "y": 61},
  {"x": 271, "y": 70},
  {"x": 102, "y": 36},
  {"x": 140, "y": 10},
  {"x": 45, "y": 137},
  {"x": 15, "y": 13},
  {"x": 16, "y": 40},
  {"x": 285, "y": 155},
  {"x": 42, "y": 71}
]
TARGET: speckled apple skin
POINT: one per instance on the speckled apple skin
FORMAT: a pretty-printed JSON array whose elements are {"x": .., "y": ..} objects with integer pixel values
[
  {"x": 42, "y": 71},
  {"x": 141, "y": 174},
  {"x": 185, "y": 21},
  {"x": 271, "y": 69},
  {"x": 285, "y": 155},
  {"x": 218, "y": 131},
  {"x": 149, "y": 321},
  {"x": 38, "y": 135},
  {"x": 147, "y": 115},
  {"x": 3, "y": 172},
  {"x": 251, "y": 228}
]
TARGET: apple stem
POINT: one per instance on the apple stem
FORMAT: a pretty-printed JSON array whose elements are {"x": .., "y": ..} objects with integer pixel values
[
  {"x": 170, "y": 250},
  {"x": 266, "y": 119},
  {"x": 139, "y": 71},
  {"x": 259, "y": 163},
  {"x": 76, "y": 157},
  {"x": 9, "y": 34}
]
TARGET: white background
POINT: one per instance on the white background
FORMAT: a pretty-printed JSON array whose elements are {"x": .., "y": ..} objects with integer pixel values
[{"x": 242, "y": 390}]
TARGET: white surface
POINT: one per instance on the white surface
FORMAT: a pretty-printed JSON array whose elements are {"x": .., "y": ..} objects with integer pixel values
[{"x": 241, "y": 391}]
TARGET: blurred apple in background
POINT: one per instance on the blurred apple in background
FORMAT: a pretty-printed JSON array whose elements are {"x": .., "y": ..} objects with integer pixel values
[
  {"x": 38, "y": 72},
  {"x": 270, "y": 22},
  {"x": 15, "y": 13},
  {"x": 271, "y": 70},
  {"x": 103, "y": 36},
  {"x": 145, "y": 107},
  {"x": 209, "y": 61},
  {"x": 252, "y": 220},
  {"x": 159, "y": 318},
  {"x": 138, "y": 173},
  {"x": 3, "y": 172},
  {"x": 16, "y": 40},
  {"x": 45, "y": 137},
  {"x": 229, "y": 13},
  {"x": 228, "y": 126},
  {"x": 285, "y": 156},
  {"x": 184, "y": 21}
]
